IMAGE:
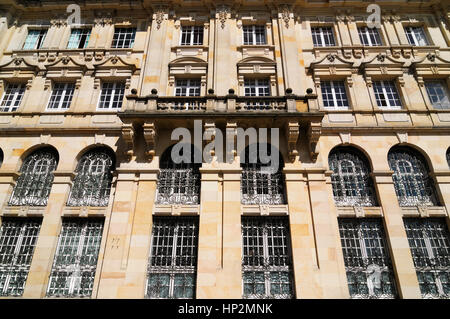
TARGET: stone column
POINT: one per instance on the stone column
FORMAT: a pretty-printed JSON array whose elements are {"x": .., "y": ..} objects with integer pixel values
[{"x": 407, "y": 284}]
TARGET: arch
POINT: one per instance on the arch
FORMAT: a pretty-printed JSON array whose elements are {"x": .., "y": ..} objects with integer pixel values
[
  {"x": 35, "y": 181},
  {"x": 351, "y": 181},
  {"x": 188, "y": 60},
  {"x": 91, "y": 147},
  {"x": 412, "y": 181},
  {"x": 178, "y": 183},
  {"x": 256, "y": 60},
  {"x": 262, "y": 183},
  {"x": 93, "y": 178}
]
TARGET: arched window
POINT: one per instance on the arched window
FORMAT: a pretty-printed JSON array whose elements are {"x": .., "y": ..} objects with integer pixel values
[
  {"x": 1, "y": 157},
  {"x": 352, "y": 184},
  {"x": 36, "y": 178},
  {"x": 178, "y": 183},
  {"x": 92, "y": 183},
  {"x": 448, "y": 156},
  {"x": 262, "y": 183},
  {"x": 413, "y": 184}
]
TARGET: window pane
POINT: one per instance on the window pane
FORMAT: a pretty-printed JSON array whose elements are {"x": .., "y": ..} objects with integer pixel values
[
  {"x": 12, "y": 97},
  {"x": 334, "y": 94},
  {"x": 438, "y": 94},
  {"x": 123, "y": 38},
  {"x": 61, "y": 97},
  {"x": 323, "y": 36},
  {"x": 79, "y": 38},
  {"x": 112, "y": 95},
  {"x": 386, "y": 94}
]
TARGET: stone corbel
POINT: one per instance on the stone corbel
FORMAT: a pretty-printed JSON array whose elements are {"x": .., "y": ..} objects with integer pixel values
[
  {"x": 77, "y": 84},
  {"x": 231, "y": 139},
  {"x": 210, "y": 135},
  {"x": 349, "y": 81},
  {"x": 47, "y": 84},
  {"x": 96, "y": 83},
  {"x": 149, "y": 131},
  {"x": 44, "y": 138},
  {"x": 128, "y": 134},
  {"x": 317, "y": 82},
  {"x": 402, "y": 137},
  {"x": 171, "y": 80},
  {"x": 345, "y": 137},
  {"x": 368, "y": 81},
  {"x": 314, "y": 132},
  {"x": 293, "y": 132},
  {"x": 401, "y": 81}
]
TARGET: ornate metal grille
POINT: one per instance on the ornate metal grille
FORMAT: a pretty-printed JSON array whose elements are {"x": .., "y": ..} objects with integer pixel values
[
  {"x": 266, "y": 262},
  {"x": 75, "y": 262},
  {"x": 367, "y": 261},
  {"x": 351, "y": 181},
  {"x": 18, "y": 238},
  {"x": 173, "y": 259},
  {"x": 36, "y": 178},
  {"x": 429, "y": 240},
  {"x": 178, "y": 183},
  {"x": 92, "y": 183},
  {"x": 260, "y": 184},
  {"x": 412, "y": 181}
]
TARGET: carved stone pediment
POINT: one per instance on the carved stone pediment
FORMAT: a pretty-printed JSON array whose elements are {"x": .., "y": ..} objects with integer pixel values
[{"x": 188, "y": 65}]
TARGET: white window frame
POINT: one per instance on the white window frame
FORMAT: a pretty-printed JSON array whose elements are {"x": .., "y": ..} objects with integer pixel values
[
  {"x": 130, "y": 31},
  {"x": 322, "y": 36},
  {"x": 386, "y": 99},
  {"x": 253, "y": 33},
  {"x": 68, "y": 90},
  {"x": 414, "y": 36},
  {"x": 365, "y": 33},
  {"x": 192, "y": 30},
  {"x": 18, "y": 93},
  {"x": 39, "y": 41},
  {"x": 111, "y": 99},
  {"x": 84, "y": 31},
  {"x": 190, "y": 87},
  {"x": 445, "y": 105},
  {"x": 257, "y": 84},
  {"x": 334, "y": 85}
]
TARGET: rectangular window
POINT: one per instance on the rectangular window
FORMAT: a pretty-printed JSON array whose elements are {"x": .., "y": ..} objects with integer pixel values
[
  {"x": 366, "y": 257},
  {"x": 438, "y": 93},
  {"x": 111, "y": 96},
  {"x": 75, "y": 261},
  {"x": 12, "y": 97},
  {"x": 429, "y": 240},
  {"x": 173, "y": 258},
  {"x": 35, "y": 39},
  {"x": 123, "y": 38},
  {"x": 191, "y": 35},
  {"x": 254, "y": 34},
  {"x": 267, "y": 261},
  {"x": 334, "y": 94},
  {"x": 61, "y": 97},
  {"x": 187, "y": 87},
  {"x": 386, "y": 95},
  {"x": 369, "y": 36},
  {"x": 416, "y": 36},
  {"x": 79, "y": 38},
  {"x": 257, "y": 87},
  {"x": 18, "y": 238},
  {"x": 323, "y": 36}
]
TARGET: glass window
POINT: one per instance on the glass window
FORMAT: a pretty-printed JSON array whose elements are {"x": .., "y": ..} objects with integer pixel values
[
  {"x": 191, "y": 35},
  {"x": 257, "y": 87},
  {"x": 173, "y": 258},
  {"x": 35, "y": 39},
  {"x": 386, "y": 95},
  {"x": 366, "y": 256},
  {"x": 413, "y": 183},
  {"x": 18, "y": 238},
  {"x": 351, "y": 181},
  {"x": 12, "y": 97},
  {"x": 187, "y": 87},
  {"x": 92, "y": 183},
  {"x": 369, "y": 36},
  {"x": 254, "y": 34},
  {"x": 438, "y": 94},
  {"x": 334, "y": 94},
  {"x": 448, "y": 157},
  {"x": 123, "y": 38},
  {"x": 112, "y": 95},
  {"x": 323, "y": 36},
  {"x": 61, "y": 97},
  {"x": 79, "y": 38},
  {"x": 429, "y": 240},
  {"x": 267, "y": 258},
  {"x": 416, "y": 36},
  {"x": 35, "y": 180},
  {"x": 75, "y": 261}
]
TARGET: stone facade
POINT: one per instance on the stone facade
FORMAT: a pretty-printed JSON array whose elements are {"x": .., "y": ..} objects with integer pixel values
[{"x": 140, "y": 131}]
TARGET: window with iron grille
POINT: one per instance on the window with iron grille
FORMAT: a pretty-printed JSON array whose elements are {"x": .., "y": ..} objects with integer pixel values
[
  {"x": 12, "y": 97},
  {"x": 75, "y": 261},
  {"x": 267, "y": 258},
  {"x": 429, "y": 240},
  {"x": 438, "y": 93},
  {"x": 323, "y": 36},
  {"x": 35, "y": 39},
  {"x": 334, "y": 95},
  {"x": 173, "y": 258},
  {"x": 254, "y": 34},
  {"x": 123, "y": 38},
  {"x": 111, "y": 96},
  {"x": 367, "y": 260},
  {"x": 35, "y": 180},
  {"x": 178, "y": 183},
  {"x": 61, "y": 97},
  {"x": 79, "y": 38},
  {"x": 187, "y": 87},
  {"x": 191, "y": 35},
  {"x": 386, "y": 95},
  {"x": 416, "y": 36},
  {"x": 369, "y": 36},
  {"x": 18, "y": 238},
  {"x": 262, "y": 183},
  {"x": 351, "y": 181},
  {"x": 92, "y": 183},
  {"x": 413, "y": 183}
]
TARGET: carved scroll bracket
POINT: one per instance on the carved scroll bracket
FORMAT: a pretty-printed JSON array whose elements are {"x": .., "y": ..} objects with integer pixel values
[
  {"x": 314, "y": 132},
  {"x": 293, "y": 132},
  {"x": 128, "y": 134},
  {"x": 150, "y": 134}
]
